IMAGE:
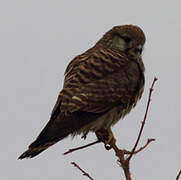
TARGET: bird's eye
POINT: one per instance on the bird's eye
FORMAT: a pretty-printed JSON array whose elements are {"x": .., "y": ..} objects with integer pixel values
[{"x": 126, "y": 39}]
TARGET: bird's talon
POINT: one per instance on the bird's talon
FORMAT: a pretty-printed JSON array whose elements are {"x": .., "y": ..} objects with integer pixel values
[
  {"x": 108, "y": 147},
  {"x": 106, "y": 136},
  {"x": 84, "y": 136}
]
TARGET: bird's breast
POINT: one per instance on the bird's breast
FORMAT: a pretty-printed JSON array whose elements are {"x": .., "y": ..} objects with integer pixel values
[{"x": 105, "y": 121}]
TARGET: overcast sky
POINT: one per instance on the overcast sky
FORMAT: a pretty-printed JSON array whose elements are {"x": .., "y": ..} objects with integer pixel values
[{"x": 38, "y": 38}]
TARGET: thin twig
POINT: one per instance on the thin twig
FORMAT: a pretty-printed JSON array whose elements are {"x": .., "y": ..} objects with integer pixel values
[
  {"x": 144, "y": 120},
  {"x": 141, "y": 148},
  {"x": 81, "y": 147},
  {"x": 179, "y": 174},
  {"x": 84, "y": 173},
  {"x": 123, "y": 162}
]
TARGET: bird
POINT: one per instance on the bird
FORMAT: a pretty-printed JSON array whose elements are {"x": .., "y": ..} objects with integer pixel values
[{"x": 100, "y": 87}]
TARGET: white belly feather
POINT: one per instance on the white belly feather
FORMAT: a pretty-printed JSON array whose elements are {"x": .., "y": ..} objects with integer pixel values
[{"x": 104, "y": 121}]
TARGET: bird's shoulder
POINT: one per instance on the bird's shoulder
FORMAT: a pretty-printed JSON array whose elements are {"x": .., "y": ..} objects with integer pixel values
[{"x": 94, "y": 64}]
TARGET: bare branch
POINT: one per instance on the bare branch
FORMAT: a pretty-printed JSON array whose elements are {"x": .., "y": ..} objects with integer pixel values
[
  {"x": 144, "y": 120},
  {"x": 84, "y": 173},
  {"x": 141, "y": 148},
  {"x": 81, "y": 147},
  {"x": 179, "y": 174},
  {"x": 123, "y": 162}
]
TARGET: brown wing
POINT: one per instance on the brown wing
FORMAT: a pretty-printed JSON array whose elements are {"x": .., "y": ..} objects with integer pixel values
[{"x": 97, "y": 82}]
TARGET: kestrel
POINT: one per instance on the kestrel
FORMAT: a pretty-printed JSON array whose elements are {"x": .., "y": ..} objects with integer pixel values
[{"x": 101, "y": 86}]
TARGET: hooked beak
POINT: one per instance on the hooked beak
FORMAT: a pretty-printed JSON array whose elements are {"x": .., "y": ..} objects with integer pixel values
[{"x": 139, "y": 49}]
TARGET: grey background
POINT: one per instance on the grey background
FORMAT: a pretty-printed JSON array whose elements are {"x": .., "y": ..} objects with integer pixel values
[{"x": 37, "y": 41}]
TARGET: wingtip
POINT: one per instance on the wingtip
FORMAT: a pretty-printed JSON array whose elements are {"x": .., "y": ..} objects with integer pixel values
[
  {"x": 30, "y": 153},
  {"x": 26, "y": 154}
]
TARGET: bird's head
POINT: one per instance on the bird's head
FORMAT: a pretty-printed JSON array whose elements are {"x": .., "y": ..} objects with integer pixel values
[{"x": 129, "y": 39}]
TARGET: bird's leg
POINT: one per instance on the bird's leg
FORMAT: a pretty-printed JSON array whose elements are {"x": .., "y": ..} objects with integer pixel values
[
  {"x": 106, "y": 136},
  {"x": 111, "y": 136}
]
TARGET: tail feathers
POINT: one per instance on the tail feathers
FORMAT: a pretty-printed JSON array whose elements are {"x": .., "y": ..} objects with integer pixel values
[
  {"x": 57, "y": 129},
  {"x": 34, "y": 151}
]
